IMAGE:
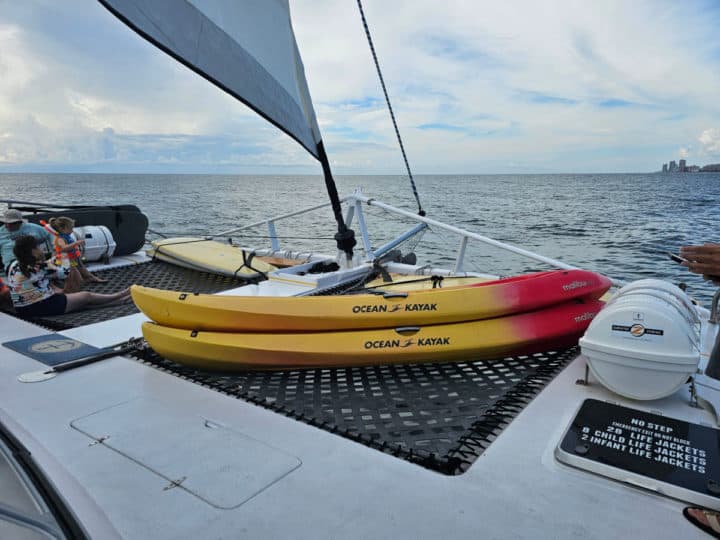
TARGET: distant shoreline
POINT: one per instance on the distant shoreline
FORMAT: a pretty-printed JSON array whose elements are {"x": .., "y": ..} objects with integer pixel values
[
  {"x": 319, "y": 175},
  {"x": 688, "y": 172},
  {"x": 682, "y": 167}
]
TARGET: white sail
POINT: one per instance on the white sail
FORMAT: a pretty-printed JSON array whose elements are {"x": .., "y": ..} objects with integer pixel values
[{"x": 246, "y": 47}]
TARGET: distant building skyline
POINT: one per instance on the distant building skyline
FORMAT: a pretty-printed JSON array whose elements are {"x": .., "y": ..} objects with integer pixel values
[{"x": 682, "y": 166}]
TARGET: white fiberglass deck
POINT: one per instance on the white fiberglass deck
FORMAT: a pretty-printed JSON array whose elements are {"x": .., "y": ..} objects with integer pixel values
[{"x": 306, "y": 483}]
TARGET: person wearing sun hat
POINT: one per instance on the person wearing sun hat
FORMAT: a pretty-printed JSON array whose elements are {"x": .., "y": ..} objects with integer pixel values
[{"x": 12, "y": 225}]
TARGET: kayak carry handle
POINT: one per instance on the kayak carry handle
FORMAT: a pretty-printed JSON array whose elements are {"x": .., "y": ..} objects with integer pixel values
[
  {"x": 407, "y": 330},
  {"x": 389, "y": 295}
]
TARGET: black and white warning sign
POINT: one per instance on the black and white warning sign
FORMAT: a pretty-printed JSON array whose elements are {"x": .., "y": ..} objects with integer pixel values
[{"x": 665, "y": 449}]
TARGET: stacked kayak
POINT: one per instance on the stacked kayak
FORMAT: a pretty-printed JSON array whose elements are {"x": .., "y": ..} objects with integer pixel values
[
  {"x": 209, "y": 256},
  {"x": 557, "y": 326},
  {"x": 483, "y": 300},
  {"x": 518, "y": 315}
]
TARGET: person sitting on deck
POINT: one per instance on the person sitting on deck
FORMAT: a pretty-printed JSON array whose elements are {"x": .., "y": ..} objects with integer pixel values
[
  {"x": 32, "y": 295},
  {"x": 67, "y": 253},
  {"x": 704, "y": 260},
  {"x": 14, "y": 226}
]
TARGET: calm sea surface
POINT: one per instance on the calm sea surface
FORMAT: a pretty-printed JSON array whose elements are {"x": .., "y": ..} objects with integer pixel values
[{"x": 617, "y": 224}]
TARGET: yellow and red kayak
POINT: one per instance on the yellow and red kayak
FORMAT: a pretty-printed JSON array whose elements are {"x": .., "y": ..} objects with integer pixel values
[
  {"x": 555, "y": 327},
  {"x": 384, "y": 310}
]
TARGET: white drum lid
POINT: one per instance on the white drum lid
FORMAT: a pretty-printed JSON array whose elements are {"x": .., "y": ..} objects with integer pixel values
[
  {"x": 644, "y": 343},
  {"x": 99, "y": 242}
]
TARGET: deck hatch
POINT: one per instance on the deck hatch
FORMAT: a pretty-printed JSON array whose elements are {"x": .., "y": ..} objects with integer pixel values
[
  {"x": 222, "y": 467},
  {"x": 441, "y": 416}
]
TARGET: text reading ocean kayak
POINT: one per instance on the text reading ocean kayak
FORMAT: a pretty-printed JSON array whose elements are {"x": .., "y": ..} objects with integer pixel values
[
  {"x": 392, "y": 309},
  {"x": 391, "y": 343}
]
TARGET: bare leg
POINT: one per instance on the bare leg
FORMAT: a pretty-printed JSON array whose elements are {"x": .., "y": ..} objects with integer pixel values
[
  {"x": 73, "y": 282},
  {"x": 84, "y": 299},
  {"x": 85, "y": 273}
]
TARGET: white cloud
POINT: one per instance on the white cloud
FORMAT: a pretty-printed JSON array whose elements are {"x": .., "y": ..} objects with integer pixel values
[
  {"x": 710, "y": 141},
  {"x": 628, "y": 57},
  {"x": 18, "y": 71},
  {"x": 553, "y": 84}
]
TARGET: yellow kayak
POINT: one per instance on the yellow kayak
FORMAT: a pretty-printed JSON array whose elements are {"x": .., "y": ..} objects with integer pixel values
[
  {"x": 209, "y": 256},
  {"x": 552, "y": 328},
  {"x": 389, "y": 309}
]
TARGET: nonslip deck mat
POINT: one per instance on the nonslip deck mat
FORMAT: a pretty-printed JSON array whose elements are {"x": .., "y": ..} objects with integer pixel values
[
  {"x": 151, "y": 274},
  {"x": 441, "y": 416}
]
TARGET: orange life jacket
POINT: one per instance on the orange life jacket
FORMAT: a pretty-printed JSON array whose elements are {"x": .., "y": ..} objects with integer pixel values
[{"x": 60, "y": 255}]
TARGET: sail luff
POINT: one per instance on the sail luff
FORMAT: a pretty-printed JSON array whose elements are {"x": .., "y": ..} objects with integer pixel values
[
  {"x": 248, "y": 49},
  {"x": 183, "y": 31}
]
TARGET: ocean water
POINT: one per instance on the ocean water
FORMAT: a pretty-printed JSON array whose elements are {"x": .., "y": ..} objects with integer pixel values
[{"x": 617, "y": 224}]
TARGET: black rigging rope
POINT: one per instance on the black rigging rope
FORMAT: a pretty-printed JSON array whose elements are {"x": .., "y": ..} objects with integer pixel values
[{"x": 392, "y": 114}]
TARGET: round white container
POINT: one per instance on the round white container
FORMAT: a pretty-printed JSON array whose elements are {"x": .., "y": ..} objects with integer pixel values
[
  {"x": 99, "y": 242},
  {"x": 645, "y": 343}
]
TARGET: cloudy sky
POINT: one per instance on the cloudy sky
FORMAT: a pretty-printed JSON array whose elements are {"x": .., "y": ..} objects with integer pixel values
[{"x": 479, "y": 86}]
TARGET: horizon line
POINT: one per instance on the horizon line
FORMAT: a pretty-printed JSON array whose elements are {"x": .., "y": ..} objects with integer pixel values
[{"x": 176, "y": 173}]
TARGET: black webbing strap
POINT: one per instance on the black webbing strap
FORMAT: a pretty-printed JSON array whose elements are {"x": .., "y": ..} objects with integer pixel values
[
  {"x": 377, "y": 266},
  {"x": 247, "y": 263}
]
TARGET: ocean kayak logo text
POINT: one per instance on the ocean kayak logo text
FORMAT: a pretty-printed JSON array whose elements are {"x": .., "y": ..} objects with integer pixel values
[
  {"x": 400, "y": 344},
  {"x": 393, "y": 309}
]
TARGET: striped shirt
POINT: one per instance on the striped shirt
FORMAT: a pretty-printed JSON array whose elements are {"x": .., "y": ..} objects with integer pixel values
[{"x": 26, "y": 290}]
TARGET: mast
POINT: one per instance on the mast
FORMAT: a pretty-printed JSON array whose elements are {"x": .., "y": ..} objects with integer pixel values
[{"x": 345, "y": 237}]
